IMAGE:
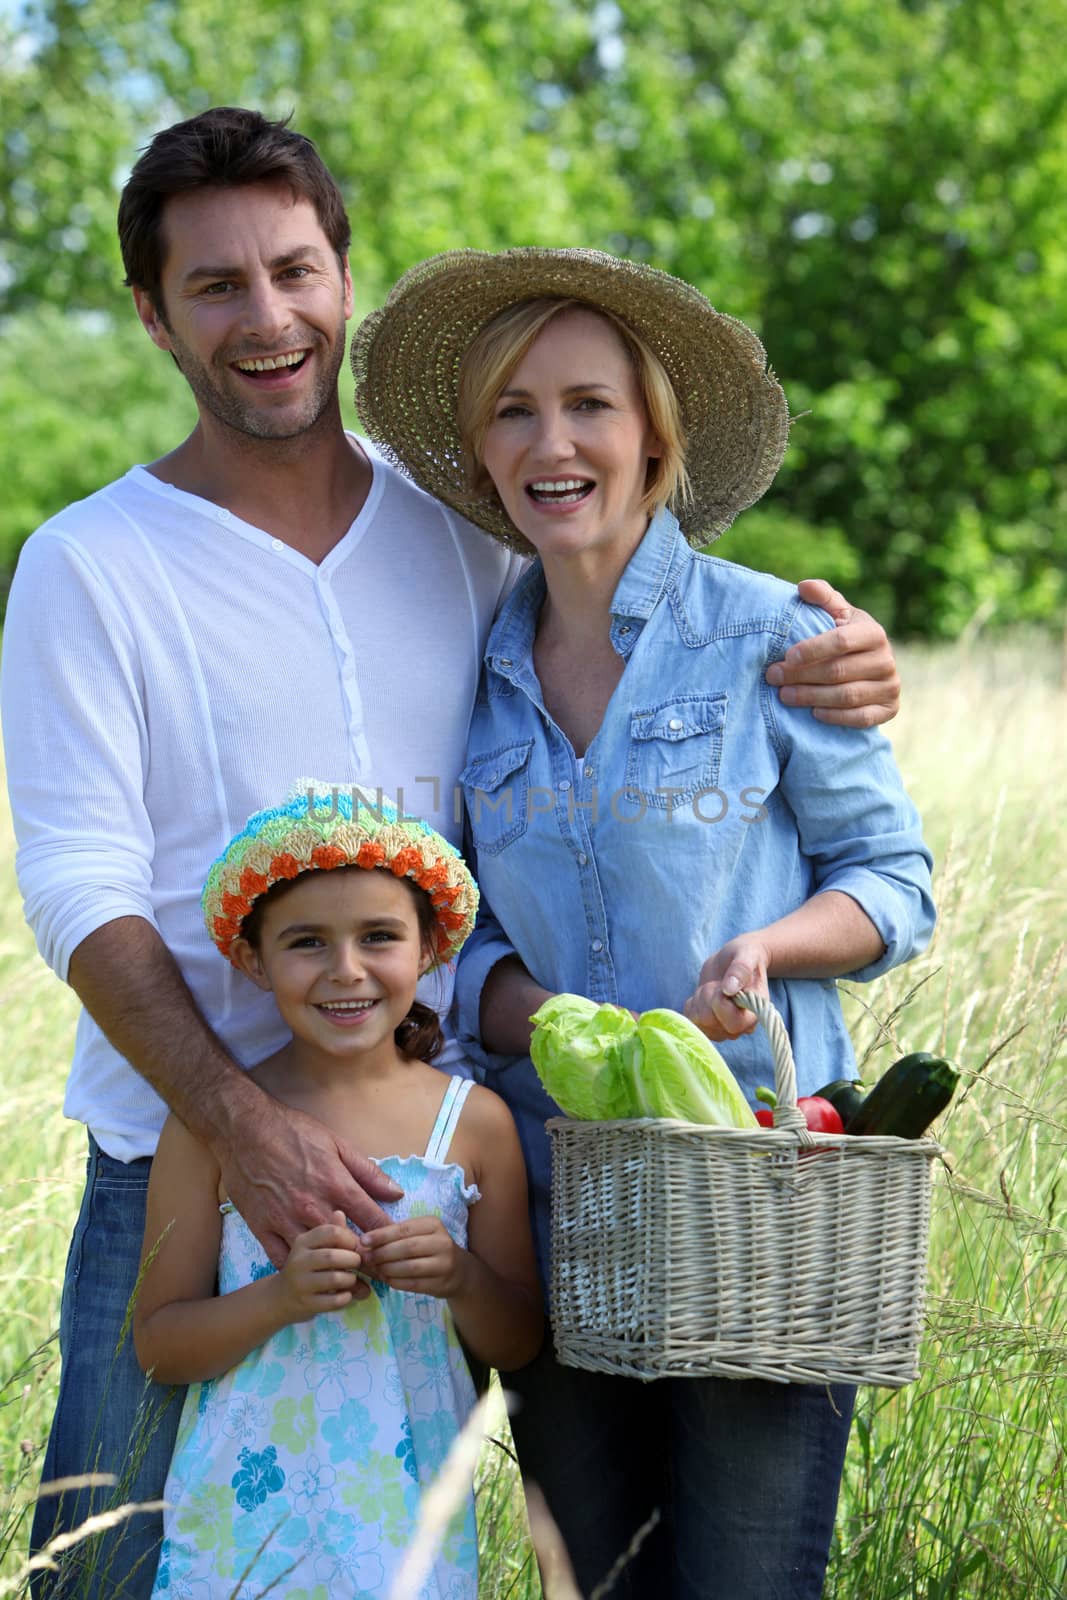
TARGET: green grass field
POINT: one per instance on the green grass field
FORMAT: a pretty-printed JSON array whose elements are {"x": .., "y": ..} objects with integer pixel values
[{"x": 956, "y": 1486}]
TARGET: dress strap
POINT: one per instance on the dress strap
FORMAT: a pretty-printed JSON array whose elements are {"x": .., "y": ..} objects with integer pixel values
[{"x": 455, "y": 1097}]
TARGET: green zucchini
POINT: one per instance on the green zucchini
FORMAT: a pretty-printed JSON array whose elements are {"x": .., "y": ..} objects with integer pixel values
[
  {"x": 846, "y": 1095},
  {"x": 907, "y": 1098}
]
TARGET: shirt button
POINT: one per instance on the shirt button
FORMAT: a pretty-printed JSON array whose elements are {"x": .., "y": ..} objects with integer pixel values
[
  {"x": 626, "y": 628},
  {"x": 590, "y": 774},
  {"x": 583, "y": 859},
  {"x": 598, "y": 945},
  {"x": 504, "y": 662},
  {"x": 277, "y": 544},
  {"x": 223, "y": 516},
  {"x": 564, "y": 784},
  {"x": 674, "y": 724}
]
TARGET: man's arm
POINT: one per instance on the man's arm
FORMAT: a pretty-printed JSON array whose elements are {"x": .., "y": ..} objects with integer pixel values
[
  {"x": 78, "y": 746},
  {"x": 284, "y": 1171},
  {"x": 847, "y": 675}
]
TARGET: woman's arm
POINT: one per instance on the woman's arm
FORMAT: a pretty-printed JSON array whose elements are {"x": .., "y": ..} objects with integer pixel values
[
  {"x": 824, "y": 938},
  {"x": 183, "y": 1331},
  {"x": 491, "y": 1286},
  {"x": 509, "y": 999}
]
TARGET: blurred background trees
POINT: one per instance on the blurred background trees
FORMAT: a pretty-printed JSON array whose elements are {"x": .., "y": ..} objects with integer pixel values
[{"x": 876, "y": 186}]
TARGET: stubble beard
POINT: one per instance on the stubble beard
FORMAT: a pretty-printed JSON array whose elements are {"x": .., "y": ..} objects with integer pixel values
[{"x": 214, "y": 396}]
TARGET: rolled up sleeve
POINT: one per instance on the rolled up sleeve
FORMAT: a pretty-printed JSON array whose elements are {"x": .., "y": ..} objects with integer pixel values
[{"x": 76, "y": 748}]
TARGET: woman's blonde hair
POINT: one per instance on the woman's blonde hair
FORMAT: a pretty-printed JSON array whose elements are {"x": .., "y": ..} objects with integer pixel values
[{"x": 497, "y": 350}]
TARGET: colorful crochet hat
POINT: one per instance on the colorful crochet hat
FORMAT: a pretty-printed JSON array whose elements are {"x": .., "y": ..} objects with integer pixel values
[{"x": 321, "y": 826}]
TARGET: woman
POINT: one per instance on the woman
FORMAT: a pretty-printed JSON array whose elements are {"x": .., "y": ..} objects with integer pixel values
[{"x": 652, "y": 827}]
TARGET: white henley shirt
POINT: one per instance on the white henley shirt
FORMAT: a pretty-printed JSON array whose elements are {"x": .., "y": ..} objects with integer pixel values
[{"x": 169, "y": 669}]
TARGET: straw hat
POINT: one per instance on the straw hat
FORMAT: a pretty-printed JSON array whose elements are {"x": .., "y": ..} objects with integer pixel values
[
  {"x": 321, "y": 826},
  {"x": 406, "y": 360}
]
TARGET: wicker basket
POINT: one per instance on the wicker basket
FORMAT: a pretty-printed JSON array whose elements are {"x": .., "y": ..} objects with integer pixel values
[{"x": 680, "y": 1250}]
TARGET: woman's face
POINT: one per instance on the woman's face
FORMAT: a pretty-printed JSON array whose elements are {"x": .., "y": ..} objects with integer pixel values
[{"x": 569, "y": 443}]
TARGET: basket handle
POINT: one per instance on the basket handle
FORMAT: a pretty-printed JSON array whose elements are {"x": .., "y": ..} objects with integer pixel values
[{"x": 786, "y": 1113}]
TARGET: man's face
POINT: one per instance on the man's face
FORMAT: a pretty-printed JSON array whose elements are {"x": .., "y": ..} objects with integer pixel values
[{"x": 254, "y": 305}]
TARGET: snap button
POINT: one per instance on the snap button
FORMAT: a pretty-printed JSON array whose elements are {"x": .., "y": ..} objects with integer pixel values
[
  {"x": 674, "y": 724},
  {"x": 598, "y": 945},
  {"x": 564, "y": 784},
  {"x": 582, "y": 858},
  {"x": 504, "y": 662},
  {"x": 626, "y": 628}
]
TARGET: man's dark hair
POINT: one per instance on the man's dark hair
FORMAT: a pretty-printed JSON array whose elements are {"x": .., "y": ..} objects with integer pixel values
[{"x": 226, "y": 147}]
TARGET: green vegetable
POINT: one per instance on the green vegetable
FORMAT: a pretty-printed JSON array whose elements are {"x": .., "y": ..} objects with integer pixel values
[
  {"x": 679, "y": 1073},
  {"x": 846, "y": 1095},
  {"x": 907, "y": 1098},
  {"x": 576, "y": 1050},
  {"x": 598, "y": 1063}
]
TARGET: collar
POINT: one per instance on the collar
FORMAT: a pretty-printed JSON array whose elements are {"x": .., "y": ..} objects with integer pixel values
[
  {"x": 641, "y": 586},
  {"x": 636, "y": 597}
]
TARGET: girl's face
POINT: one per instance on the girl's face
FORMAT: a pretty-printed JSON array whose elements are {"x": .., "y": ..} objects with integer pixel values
[
  {"x": 569, "y": 444},
  {"x": 341, "y": 951}
]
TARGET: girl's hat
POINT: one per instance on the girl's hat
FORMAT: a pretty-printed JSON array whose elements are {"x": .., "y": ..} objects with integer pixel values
[
  {"x": 321, "y": 826},
  {"x": 406, "y": 360}
]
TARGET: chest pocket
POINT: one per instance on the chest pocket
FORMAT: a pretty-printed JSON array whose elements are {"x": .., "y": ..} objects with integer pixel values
[
  {"x": 496, "y": 788},
  {"x": 676, "y": 748}
]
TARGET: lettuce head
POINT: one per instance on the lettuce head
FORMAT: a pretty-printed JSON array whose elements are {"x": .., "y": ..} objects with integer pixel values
[
  {"x": 577, "y": 1050},
  {"x": 679, "y": 1073},
  {"x": 599, "y": 1064}
]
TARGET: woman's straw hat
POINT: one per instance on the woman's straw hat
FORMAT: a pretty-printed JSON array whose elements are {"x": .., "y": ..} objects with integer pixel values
[{"x": 406, "y": 360}]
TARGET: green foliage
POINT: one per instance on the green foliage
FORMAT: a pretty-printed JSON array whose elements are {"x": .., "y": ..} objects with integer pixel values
[
  {"x": 768, "y": 539},
  {"x": 876, "y": 187},
  {"x": 81, "y": 403}
]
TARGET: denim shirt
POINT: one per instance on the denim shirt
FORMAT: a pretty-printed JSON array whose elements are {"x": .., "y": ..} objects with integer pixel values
[{"x": 703, "y": 809}]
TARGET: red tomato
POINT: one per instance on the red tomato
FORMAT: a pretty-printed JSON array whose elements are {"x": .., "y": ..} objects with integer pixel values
[{"x": 819, "y": 1115}]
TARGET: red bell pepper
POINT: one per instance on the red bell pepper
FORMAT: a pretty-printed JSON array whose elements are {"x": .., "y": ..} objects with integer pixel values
[{"x": 819, "y": 1114}]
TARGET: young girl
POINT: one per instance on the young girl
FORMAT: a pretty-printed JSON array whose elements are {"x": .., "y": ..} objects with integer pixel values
[{"x": 316, "y": 1417}]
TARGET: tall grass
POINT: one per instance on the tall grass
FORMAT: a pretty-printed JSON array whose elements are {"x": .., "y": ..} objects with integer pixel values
[{"x": 954, "y": 1487}]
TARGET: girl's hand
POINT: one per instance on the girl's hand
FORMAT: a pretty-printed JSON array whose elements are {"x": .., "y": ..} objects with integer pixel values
[
  {"x": 419, "y": 1256},
  {"x": 740, "y": 964},
  {"x": 320, "y": 1271}
]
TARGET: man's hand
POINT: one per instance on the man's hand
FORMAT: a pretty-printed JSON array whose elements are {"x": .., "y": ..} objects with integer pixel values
[
  {"x": 320, "y": 1271},
  {"x": 288, "y": 1173},
  {"x": 849, "y": 676},
  {"x": 740, "y": 964},
  {"x": 284, "y": 1171},
  {"x": 419, "y": 1256}
]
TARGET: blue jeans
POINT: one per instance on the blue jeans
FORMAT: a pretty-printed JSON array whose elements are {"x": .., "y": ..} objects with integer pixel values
[
  {"x": 745, "y": 1476},
  {"x": 109, "y": 1417}
]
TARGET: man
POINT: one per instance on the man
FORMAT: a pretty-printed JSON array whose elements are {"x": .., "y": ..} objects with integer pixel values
[{"x": 264, "y": 602}]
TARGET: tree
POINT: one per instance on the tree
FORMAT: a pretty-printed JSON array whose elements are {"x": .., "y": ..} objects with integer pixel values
[{"x": 875, "y": 185}]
